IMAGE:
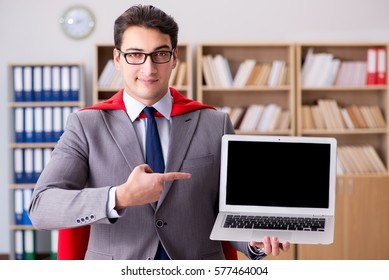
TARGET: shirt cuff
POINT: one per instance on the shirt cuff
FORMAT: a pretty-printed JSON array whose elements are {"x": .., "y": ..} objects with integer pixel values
[
  {"x": 111, "y": 212},
  {"x": 256, "y": 253}
]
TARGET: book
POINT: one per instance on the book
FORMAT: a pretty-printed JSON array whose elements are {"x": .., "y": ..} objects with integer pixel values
[
  {"x": 223, "y": 70},
  {"x": 243, "y": 73},
  {"x": 268, "y": 113},
  {"x": 181, "y": 74},
  {"x": 254, "y": 74},
  {"x": 251, "y": 117}
]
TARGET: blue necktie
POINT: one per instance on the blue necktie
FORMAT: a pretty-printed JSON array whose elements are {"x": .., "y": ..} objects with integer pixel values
[{"x": 154, "y": 158}]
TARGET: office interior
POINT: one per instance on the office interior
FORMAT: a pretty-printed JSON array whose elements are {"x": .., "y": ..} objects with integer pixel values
[{"x": 30, "y": 32}]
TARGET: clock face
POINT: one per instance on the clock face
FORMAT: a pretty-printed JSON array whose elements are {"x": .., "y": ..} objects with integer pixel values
[{"x": 77, "y": 22}]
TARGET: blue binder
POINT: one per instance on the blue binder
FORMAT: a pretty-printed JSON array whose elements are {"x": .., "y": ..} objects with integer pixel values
[{"x": 18, "y": 83}]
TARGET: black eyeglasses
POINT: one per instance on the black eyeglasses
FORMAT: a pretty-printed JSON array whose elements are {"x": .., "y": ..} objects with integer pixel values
[{"x": 137, "y": 58}]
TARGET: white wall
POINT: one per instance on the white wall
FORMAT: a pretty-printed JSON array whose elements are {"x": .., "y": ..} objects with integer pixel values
[{"x": 29, "y": 32}]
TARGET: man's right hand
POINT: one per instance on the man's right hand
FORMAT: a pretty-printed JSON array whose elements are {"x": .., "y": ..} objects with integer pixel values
[{"x": 143, "y": 186}]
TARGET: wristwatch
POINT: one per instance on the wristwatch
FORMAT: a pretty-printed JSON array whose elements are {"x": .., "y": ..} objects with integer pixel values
[{"x": 256, "y": 253}]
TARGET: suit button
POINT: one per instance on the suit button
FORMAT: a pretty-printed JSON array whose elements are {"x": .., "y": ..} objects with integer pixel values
[{"x": 159, "y": 223}]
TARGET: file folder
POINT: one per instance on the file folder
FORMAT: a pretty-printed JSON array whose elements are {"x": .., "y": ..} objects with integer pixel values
[
  {"x": 27, "y": 83},
  {"x": 46, "y": 155},
  {"x": 47, "y": 89},
  {"x": 29, "y": 245},
  {"x": 57, "y": 123},
  {"x": 18, "y": 166},
  {"x": 54, "y": 244},
  {"x": 18, "y": 83},
  {"x": 48, "y": 124},
  {"x": 38, "y": 80},
  {"x": 56, "y": 83},
  {"x": 27, "y": 194},
  {"x": 28, "y": 166},
  {"x": 19, "y": 251},
  {"x": 66, "y": 111},
  {"x": 38, "y": 124},
  {"x": 29, "y": 124},
  {"x": 38, "y": 163},
  {"x": 18, "y": 206},
  {"x": 75, "y": 83},
  {"x": 65, "y": 83},
  {"x": 19, "y": 125}
]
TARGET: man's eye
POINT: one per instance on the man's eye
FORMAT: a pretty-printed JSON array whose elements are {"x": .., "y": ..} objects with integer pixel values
[
  {"x": 135, "y": 55},
  {"x": 161, "y": 54}
]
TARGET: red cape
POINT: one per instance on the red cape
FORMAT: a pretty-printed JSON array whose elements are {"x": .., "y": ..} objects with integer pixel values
[{"x": 73, "y": 242}]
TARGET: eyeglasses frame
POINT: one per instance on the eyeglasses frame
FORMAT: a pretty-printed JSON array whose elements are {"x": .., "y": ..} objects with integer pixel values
[{"x": 146, "y": 55}]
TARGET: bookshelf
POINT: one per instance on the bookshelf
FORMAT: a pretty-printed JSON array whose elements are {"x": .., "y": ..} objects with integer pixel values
[
  {"x": 342, "y": 95},
  {"x": 250, "y": 96},
  {"x": 361, "y": 188},
  {"x": 41, "y": 95},
  {"x": 104, "y": 86}
]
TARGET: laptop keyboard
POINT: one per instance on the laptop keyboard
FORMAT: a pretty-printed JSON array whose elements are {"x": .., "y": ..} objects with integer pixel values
[{"x": 280, "y": 223}]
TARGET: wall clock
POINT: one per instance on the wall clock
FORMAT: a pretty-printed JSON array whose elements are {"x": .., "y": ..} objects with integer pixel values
[{"x": 78, "y": 22}]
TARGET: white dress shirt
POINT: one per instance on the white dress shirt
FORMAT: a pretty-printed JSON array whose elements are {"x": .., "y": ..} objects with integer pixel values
[{"x": 134, "y": 108}]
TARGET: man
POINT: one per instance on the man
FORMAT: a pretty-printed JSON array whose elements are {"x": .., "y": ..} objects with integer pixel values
[{"x": 97, "y": 175}]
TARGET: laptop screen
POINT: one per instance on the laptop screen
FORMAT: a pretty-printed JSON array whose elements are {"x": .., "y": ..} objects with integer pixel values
[{"x": 278, "y": 174}]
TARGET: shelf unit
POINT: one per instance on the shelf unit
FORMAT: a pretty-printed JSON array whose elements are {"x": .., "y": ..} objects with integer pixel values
[
  {"x": 230, "y": 96},
  {"x": 31, "y": 142},
  {"x": 345, "y": 95},
  {"x": 104, "y": 53},
  {"x": 360, "y": 196}
]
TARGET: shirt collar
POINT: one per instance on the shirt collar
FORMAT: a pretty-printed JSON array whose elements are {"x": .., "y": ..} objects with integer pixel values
[{"x": 134, "y": 107}]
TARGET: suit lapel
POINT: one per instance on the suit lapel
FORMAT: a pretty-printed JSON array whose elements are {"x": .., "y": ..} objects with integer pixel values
[
  {"x": 123, "y": 133},
  {"x": 183, "y": 128}
]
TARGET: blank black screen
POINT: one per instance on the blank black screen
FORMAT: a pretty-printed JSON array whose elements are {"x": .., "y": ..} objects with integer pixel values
[{"x": 278, "y": 174}]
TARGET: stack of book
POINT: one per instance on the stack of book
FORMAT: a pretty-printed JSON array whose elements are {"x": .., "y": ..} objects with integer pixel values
[
  {"x": 327, "y": 114},
  {"x": 217, "y": 72},
  {"x": 259, "y": 117}
]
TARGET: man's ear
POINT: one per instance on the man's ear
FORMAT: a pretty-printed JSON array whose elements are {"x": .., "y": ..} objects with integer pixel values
[{"x": 116, "y": 58}]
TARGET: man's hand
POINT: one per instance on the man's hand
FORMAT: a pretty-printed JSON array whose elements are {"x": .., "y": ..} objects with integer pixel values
[
  {"x": 143, "y": 186},
  {"x": 271, "y": 246}
]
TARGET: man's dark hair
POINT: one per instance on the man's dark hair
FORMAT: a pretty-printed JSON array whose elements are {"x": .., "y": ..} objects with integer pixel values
[{"x": 146, "y": 16}]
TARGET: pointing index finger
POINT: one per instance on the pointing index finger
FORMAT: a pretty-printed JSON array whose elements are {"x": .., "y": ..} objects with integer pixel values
[{"x": 171, "y": 176}]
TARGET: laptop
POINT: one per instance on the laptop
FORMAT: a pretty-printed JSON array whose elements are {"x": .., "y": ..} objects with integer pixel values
[{"x": 280, "y": 186}]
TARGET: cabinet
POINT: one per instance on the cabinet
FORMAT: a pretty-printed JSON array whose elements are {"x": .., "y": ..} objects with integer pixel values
[
  {"x": 106, "y": 81},
  {"x": 360, "y": 228},
  {"x": 41, "y": 96},
  {"x": 348, "y": 89},
  {"x": 253, "y": 91}
]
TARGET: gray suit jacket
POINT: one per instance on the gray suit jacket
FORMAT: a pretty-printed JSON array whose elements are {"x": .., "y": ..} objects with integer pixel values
[{"x": 99, "y": 149}]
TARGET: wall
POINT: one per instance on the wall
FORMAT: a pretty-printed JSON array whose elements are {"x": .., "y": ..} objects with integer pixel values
[{"x": 29, "y": 32}]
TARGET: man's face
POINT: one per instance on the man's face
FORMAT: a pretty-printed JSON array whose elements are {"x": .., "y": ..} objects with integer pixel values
[{"x": 147, "y": 82}]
